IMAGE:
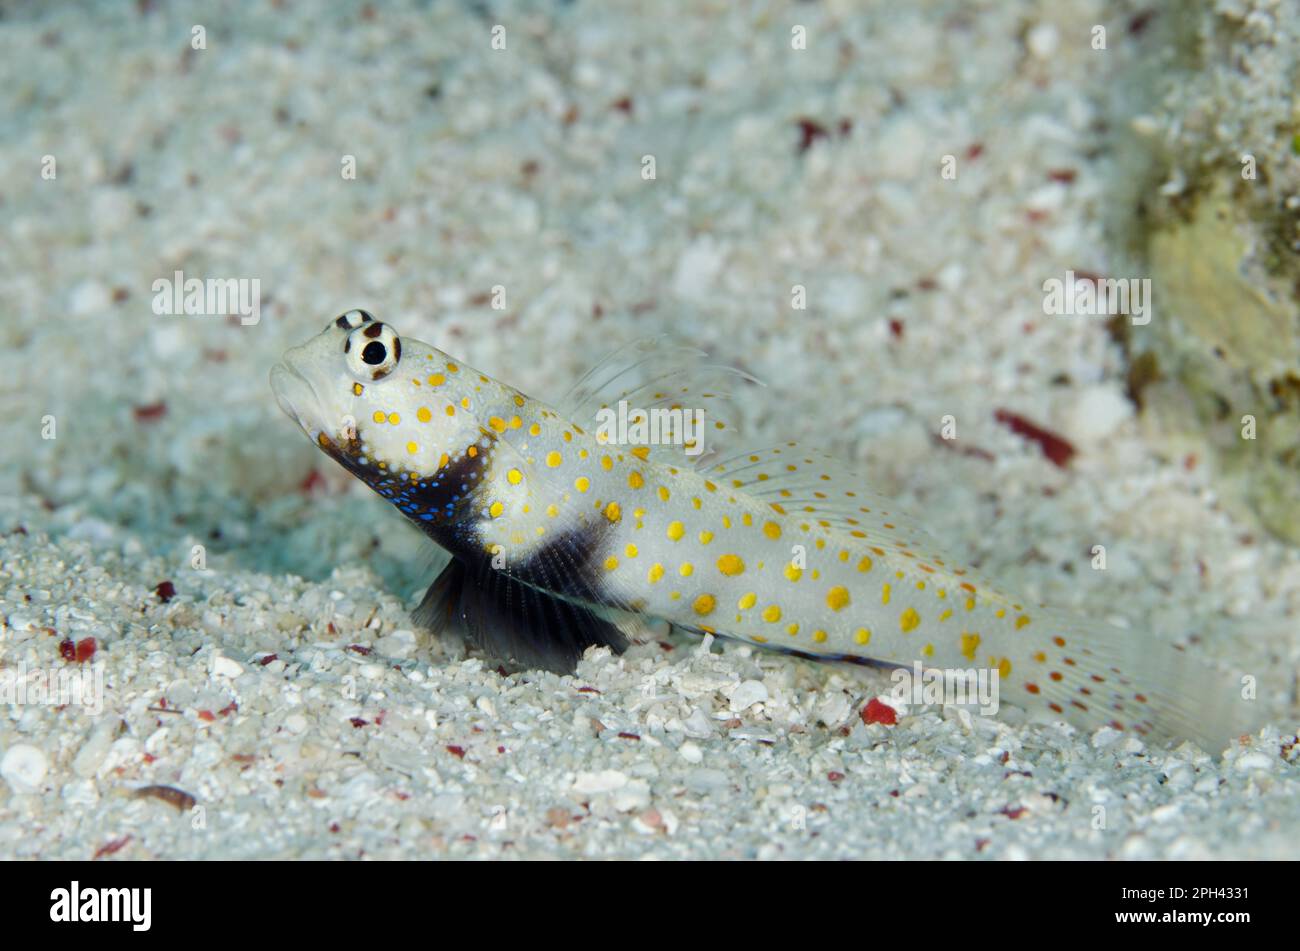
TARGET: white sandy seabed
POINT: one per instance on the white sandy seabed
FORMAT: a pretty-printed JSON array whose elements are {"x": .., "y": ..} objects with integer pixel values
[{"x": 282, "y": 686}]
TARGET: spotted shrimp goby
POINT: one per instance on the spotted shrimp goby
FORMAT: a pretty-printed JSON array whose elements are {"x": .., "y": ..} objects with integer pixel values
[{"x": 560, "y": 535}]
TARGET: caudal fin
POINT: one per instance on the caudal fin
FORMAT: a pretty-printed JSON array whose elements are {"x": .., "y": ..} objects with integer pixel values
[{"x": 1094, "y": 674}]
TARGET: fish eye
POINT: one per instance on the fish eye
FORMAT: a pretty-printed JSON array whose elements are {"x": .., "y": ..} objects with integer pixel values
[{"x": 373, "y": 350}]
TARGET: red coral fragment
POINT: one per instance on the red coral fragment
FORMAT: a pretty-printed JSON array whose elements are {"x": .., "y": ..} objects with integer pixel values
[
  {"x": 877, "y": 712},
  {"x": 150, "y": 412},
  {"x": 310, "y": 482},
  {"x": 358, "y": 723},
  {"x": 1057, "y": 449},
  {"x": 809, "y": 132},
  {"x": 165, "y": 591},
  {"x": 115, "y": 845},
  {"x": 79, "y": 652},
  {"x": 456, "y": 751}
]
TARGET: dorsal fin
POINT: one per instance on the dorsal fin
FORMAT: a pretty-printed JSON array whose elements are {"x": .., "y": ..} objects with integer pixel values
[{"x": 658, "y": 373}]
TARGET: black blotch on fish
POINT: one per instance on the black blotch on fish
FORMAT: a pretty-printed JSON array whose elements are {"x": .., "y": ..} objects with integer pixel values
[{"x": 521, "y": 612}]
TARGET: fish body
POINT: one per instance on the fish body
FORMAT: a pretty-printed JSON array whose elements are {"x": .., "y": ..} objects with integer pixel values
[{"x": 555, "y": 529}]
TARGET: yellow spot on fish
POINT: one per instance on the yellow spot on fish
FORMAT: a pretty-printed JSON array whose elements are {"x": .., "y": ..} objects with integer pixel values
[
  {"x": 837, "y": 599},
  {"x": 819, "y": 636},
  {"x": 412, "y": 448},
  {"x": 613, "y": 512},
  {"x": 1004, "y": 667},
  {"x": 969, "y": 644},
  {"x": 793, "y": 572},
  {"x": 423, "y": 414},
  {"x": 630, "y": 551},
  {"x": 862, "y": 636},
  {"x": 686, "y": 570},
  {"x": 663, "y": 493},
  {"x": 909, "y": 620},
  {"x": 635, "y": 479},
  {"x": 771, "y": 530},
  {"x": 655, "y": 573},
  {"x": 497, "y": 423},
  {"x": 705, "y": 604},
  {"x": 676, "y": 530},
  {"x": 884, "y": 593},
  {"x": 534, "y": 430},
  {"x": 553, "y": 459},
  {"x": 582, "y": 483},
  {"x": 379, "y": 416},
  {"x": 970, "y": 604},
  {"x": 1022, "y": 621},
  {"x": 611, "y": 563},
  {"x": 437, "y": 380},
  {"x": 747, "y": 601},
  {"x": 706, "y": 537},
  {"x": 496, "y": 509},
  {"x": 514, "y": 477},
  {"x": 731, "y": 564},
  {"x": 772, "y": 613}
]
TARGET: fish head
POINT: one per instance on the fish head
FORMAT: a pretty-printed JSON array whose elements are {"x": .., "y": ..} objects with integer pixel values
[{"x": 380, "y": 406}]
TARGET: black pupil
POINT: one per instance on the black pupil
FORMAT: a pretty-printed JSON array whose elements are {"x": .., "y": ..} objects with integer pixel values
[{"x": 374, "y": 353}]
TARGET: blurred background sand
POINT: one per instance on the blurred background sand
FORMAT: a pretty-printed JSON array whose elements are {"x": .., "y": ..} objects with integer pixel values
[{"x": 282, "y": 686}]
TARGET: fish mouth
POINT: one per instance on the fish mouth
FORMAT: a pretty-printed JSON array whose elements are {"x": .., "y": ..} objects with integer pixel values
[{"x": 294, "y": 394}]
